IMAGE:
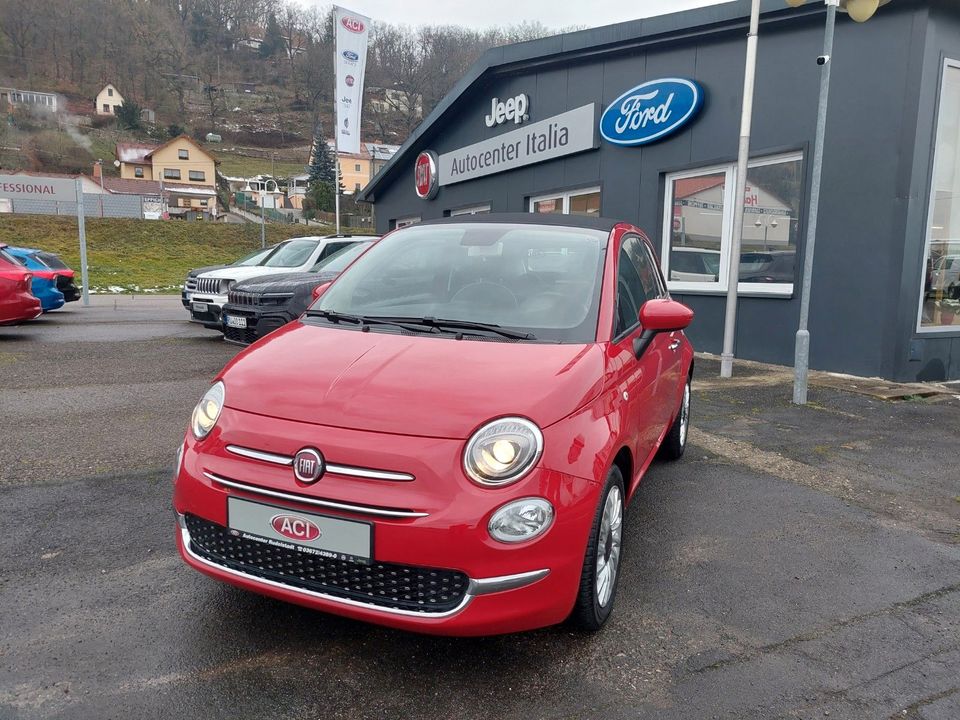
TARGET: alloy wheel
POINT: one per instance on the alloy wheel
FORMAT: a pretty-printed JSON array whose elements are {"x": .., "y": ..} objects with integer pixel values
[{"x": 608, "y": 546}]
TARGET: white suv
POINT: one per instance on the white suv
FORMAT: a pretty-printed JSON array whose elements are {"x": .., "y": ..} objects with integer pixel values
[{"x": 207, "y": 294}]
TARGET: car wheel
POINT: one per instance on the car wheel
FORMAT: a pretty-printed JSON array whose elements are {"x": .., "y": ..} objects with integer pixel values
[
  {"x": 601, "y": 563},
  {"x": 676, "y": 440}
]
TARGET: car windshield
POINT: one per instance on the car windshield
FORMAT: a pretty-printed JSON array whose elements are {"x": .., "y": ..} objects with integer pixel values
[
  {"x": 50, "y": 260},
  {"x": 291, "y": 254},
  {"x": 536, "y": 279},
  {"x": 340, "y": 259},
  {"x": 255, "y": 258}
]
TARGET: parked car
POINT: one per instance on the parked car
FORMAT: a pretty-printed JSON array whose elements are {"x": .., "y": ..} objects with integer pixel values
[
  {"x": 17, "y": 302},
  {"x": 260, "y": 305},
  {"x": 294, "y": 255},
  {"x": 44, "y": 285},
  {"x": 775, "y": 266},
  {"x": 694, "y": 264},
  {"x": 448, "y": 438},
  {"x": 190, "y": 284},
  {"x": 945, "y": 277},
  {"x": 45, "y": 263}
]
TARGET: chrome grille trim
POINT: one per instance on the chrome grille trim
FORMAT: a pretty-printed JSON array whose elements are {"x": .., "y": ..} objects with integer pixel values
[
  {"x": 361, "y": 509},
  {"x": 208, "y": 285},
  {"x": 476, "y": 586},
  {"x": 347, "y": 470}
]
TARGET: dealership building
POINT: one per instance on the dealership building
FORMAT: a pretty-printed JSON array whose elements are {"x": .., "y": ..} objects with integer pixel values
[{"x": 640, "y": 121}]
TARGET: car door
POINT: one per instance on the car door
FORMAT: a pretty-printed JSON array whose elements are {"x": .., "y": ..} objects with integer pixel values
[{"x": 638, "y": 379}]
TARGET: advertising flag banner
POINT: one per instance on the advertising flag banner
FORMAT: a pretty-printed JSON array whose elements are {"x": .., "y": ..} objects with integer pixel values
[{"x": 353, "y": 30}]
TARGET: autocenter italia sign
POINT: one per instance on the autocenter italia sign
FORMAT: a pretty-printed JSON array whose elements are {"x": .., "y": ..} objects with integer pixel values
[
  {"x": 37, "y": 187},
  {"x": 570, "y": 132}
]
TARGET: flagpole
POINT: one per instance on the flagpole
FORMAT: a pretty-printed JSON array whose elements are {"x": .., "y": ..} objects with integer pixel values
[{"x": 336, "y": 132}]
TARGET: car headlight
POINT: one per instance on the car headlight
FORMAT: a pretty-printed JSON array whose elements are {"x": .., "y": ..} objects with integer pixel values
[
  {"x": 502, "y": 451},
  {"x": 207, "y": 411},
  {"x": 521, "y": 520},
  {"x": 226, "y": 285}
]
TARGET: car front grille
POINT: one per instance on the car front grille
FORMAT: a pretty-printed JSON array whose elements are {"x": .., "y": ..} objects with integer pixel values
[
  {"x": 387, "y": 585},
  {"x": 243, "y": 336},
  {"x": 207, "y": 285},
  {"x": 239, "y": 297}
]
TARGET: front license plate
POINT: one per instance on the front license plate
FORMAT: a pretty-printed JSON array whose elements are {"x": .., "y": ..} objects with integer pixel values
[
  {"x": 329, "y": 537},
  {"x": 236, "y": 322},
  {"x": 199, "y": 307}
]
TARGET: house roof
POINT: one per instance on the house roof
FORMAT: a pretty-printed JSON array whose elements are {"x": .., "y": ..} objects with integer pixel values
[
  {"x": 685, "y": 187},
  {"x": 189, "y": 139},
  {"x": 128, "y": 186},
  {"x": 578, "y": 46},
  {"x": 134, "y": 152}
]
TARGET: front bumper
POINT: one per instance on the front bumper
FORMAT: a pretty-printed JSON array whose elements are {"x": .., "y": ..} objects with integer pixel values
[
  {"x": 261, "y": 321},
  {"x": 211, "y": 316},
  {"x": 442, "y": 526}
]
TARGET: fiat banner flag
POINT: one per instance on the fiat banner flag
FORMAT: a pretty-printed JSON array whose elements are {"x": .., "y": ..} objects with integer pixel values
[{"x": 353, "y": 30}]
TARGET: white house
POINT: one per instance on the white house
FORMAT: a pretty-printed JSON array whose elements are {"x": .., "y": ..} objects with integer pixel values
[{"x": 108, "y": 100}]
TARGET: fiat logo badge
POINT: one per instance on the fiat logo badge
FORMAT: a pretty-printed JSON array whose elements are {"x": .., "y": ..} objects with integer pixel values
[{"x": 308, "y": 465}]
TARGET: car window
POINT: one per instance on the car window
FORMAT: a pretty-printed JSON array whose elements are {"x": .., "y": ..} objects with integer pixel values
[
  {"x": 12, "y": 259},
  {"x": 292, "y": 254},
  {"x": 637, "y": 282},
  {"x": 50, "y": 260},
  {"x": 334, "y": 247},
  {"x": 340, "y": 259},
  {"x": 254, "y": 258}
]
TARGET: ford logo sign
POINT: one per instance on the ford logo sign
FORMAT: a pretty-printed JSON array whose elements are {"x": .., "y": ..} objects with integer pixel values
[
  {"x": 350, "y": 55},
  {"x": 651, "y": 111}
]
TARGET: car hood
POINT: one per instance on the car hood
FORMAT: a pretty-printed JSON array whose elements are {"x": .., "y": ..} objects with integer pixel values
[
  {"x": 245, "y": 272},
  {"x": 287, "y": 282},
  {"x": 208, "y": 268},
  {"x": 409, "y": 385}
]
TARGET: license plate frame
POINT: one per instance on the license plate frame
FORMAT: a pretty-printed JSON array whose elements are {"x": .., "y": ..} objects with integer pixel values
[
  {"x": 339, "y": 539},
  {"x": 235, "y": 321}
]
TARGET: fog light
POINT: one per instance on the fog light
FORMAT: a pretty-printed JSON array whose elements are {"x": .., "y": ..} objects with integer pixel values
[{"x": 521, "y": 520}]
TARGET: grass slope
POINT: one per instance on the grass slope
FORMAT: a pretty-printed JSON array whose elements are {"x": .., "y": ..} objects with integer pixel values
[{"x": 126, "y": 255}]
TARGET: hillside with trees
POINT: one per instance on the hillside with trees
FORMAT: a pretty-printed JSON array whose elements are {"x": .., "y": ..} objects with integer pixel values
[{"x": 258, "y": 73}]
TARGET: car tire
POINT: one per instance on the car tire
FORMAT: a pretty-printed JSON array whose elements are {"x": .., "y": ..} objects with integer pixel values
[
  {"x": 601, "y": 562},
  {"x": 676, "y": 440}
]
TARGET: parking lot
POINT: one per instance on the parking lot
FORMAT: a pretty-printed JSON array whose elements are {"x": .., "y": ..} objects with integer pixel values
[{"x": 797, "y": 563}]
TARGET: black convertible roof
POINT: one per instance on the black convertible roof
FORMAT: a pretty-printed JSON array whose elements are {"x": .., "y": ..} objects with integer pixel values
[{"x": 589, "y": 222}]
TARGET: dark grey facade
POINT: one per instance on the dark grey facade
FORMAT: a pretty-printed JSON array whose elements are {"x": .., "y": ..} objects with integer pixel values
[{"x": 868, "y": 274}]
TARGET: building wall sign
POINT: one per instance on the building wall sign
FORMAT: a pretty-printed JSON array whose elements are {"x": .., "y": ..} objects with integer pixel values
[
  {"x": 514, "y": 108},
  {"x": 563, "y": 134},
  {"x": 425, "y": 175},
  {"x": 651, "y": 111},
  {"x": 36, "y": 187}
]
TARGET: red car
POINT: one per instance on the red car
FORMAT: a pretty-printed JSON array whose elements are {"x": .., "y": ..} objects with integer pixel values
[
  {"x": 17, "y": 303},
  {"x": 446, "y": 440}
]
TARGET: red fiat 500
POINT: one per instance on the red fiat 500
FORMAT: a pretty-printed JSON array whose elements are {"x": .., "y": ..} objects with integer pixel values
[{"x": 446, "y": 441}]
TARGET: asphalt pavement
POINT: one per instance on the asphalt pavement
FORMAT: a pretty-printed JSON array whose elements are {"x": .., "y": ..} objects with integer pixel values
[{"x": 796, "y": 563}]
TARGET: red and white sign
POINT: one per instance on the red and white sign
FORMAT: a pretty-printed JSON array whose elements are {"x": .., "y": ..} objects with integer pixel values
[
  {"x": 295, "y": 527},
  {"x": 425, "y": 175},
  {"x": 353, "y": 24},
  {"x": 36, "y": 187},
  {"x": 350, "y": 66}
]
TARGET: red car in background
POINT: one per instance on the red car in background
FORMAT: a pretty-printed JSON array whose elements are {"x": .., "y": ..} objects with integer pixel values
[
  {"x": 446, "y": 441},
  {"x": 17, "y": 303}
]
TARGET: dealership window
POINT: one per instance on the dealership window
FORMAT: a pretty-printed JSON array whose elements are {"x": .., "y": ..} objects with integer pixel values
[
  {"x": 138, "y": 172},
  {"x": 940, "y": 300},
  {"x": 575, "y": 202},
  {"x": 472, "y": 210},
  {"x": 698, "y": 227},
  {"x": 197, "y": 175},
  {"x": 183, "y": 154},
  {"x": 171, "y": 173},
  {"x": 404, "y": 222}
]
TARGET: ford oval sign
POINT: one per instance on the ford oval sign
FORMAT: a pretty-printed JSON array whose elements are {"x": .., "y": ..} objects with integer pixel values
[
  {"x": 350, "y": 55},
  {"x": 651, "y": 111}
]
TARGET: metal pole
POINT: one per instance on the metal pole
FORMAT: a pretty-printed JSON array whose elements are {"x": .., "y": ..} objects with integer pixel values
[
  {"x": 336, "y": 145},
  {"x": 802, "y": 356},
  {"x": 263, "y": 227},
  {"x": 83, "y": 244},
  {"x": 733, "y": 264}
]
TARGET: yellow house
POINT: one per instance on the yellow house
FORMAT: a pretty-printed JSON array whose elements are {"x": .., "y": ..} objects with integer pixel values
[
  {"x": 108, "y": 100},
  {"x": 187, "y": 171}
]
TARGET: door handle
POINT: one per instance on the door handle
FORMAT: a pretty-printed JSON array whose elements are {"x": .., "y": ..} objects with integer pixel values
[{"x": 675, "y": 344}]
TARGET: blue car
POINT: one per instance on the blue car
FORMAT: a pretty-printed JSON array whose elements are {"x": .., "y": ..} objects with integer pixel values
[{"x": 46, "y": 280}]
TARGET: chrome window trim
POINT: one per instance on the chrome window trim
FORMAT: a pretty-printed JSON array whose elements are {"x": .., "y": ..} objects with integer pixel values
[
  {"x": 475, "y": 587},
  {"x": 347, "y": 470},
  {"x": 361, "y": 509}
]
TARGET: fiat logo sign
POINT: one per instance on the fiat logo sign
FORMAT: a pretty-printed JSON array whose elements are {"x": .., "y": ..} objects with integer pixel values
[
  {"x": 308, "y": 465},
  {"x": 425, "y": 175},
  {"x": 295, "y": 527},
  {"x": 354, "y": 25}
]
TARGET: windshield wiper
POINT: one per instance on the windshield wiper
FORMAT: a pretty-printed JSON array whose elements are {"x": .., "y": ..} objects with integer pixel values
[
  {"x": 442, "y": 324},
  {"x": 365, "y": 321}
]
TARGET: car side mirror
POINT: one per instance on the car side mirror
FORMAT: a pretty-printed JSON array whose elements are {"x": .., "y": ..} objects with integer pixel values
[
  {"x": 320, "y": 290},
  {"x": 660, "y": 316}
]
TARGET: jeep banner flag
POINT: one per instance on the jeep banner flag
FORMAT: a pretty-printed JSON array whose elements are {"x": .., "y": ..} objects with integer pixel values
[{"x": 353, "y": 30}]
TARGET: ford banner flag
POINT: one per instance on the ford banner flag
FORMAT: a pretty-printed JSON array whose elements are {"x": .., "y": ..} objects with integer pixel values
[{"x": 353, "y": 30}]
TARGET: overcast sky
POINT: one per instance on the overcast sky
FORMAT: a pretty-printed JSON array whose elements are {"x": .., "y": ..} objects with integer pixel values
[{"x": 486, "y": 13}]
